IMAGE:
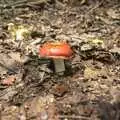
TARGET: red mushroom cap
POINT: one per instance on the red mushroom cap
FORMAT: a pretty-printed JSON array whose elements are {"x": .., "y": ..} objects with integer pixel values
[{"x": 56, "y": 50}]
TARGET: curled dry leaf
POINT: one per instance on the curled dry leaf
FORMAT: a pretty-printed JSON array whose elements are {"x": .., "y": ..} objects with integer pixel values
[
  {"x": 59, "y": 90},
  {"x": 9, "y": 80}
]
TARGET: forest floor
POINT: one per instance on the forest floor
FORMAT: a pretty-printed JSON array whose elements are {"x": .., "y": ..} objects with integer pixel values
[{"x": 90, "y": 87}]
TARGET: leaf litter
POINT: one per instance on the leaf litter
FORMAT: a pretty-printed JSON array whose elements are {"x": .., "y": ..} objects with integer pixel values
[{"x": 89, "y": 89}]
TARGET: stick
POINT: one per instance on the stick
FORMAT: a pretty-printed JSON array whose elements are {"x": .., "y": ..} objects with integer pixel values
[{"x": 74, "y": 117}]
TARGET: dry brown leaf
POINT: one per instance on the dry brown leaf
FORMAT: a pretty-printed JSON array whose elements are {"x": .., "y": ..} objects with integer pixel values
[{"x": 9, "y": 80}]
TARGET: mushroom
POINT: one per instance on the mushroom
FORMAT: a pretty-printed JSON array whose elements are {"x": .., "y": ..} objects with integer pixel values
[{"x": 58, "y": 51}]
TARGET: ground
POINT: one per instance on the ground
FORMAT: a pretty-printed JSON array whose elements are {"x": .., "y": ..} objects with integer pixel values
[{"x": 89, "y": 89}]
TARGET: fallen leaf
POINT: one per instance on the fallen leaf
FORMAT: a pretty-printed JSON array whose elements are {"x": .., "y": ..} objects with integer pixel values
[
  {"x": 16, "y": 56},
  {"x": 40, "y": 107},
  {"x": 9, "y": 80},
  {"x": 97, "y": 43},
  {"x": 86, "y": 47},
  {"x": 59, "y": 90},
  {"x": 18, "y": 32},
  {"x": 91, "y": 73},
  {"x": 113, "y": 13},
  {"x": 6, "y": 64},
  {"x": 115, "y": 50},
  {"x": 10, "y": 113}
]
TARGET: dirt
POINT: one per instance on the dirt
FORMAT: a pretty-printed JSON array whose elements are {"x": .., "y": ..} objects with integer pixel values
[{"x": 90, "y": 87}]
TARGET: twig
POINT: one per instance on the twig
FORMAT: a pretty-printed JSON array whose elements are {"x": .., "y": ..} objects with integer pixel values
[
  {"x": 74, "y": 117},
  {"x": 96, "y": 6},
  {"x": 13, "y": 4},
  {"x": 24, "y": 3}
]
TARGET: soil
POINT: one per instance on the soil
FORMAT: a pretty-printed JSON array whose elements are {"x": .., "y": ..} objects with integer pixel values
[{"x": 90, "y": 87}]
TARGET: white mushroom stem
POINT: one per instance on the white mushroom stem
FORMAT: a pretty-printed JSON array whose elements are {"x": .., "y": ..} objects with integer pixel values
[{"x": 59, "y": 66}]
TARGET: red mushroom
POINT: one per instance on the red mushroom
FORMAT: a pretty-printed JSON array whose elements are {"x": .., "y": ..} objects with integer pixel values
[{"x": 58, "y": 51}]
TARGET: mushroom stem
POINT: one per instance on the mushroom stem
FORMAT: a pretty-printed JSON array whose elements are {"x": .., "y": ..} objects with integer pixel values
[{"x": 59, "y": 66}]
